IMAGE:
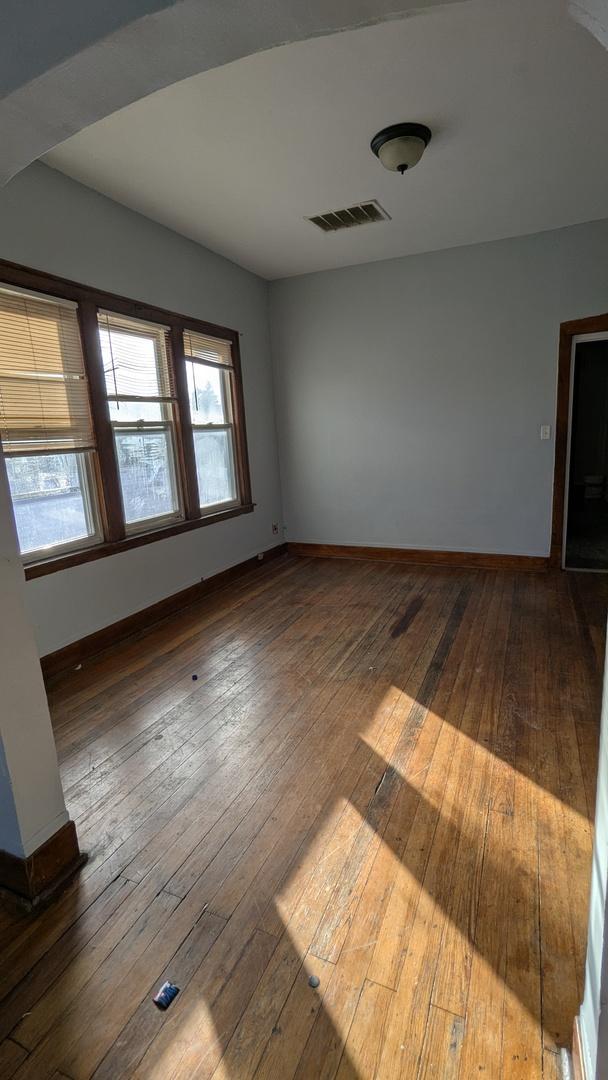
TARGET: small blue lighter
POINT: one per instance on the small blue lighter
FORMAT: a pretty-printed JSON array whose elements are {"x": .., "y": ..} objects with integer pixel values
[{"x": 165, "y": 995}]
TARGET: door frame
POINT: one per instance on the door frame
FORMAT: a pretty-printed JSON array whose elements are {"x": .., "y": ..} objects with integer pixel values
[{"x": 568, "y": 332}]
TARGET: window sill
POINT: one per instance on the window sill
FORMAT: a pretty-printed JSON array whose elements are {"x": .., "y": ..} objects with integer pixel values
[{"x": 101, "y": 551}]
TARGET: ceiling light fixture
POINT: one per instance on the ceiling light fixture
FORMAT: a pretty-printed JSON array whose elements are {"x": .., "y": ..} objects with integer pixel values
[{"x": 400, "y": 146}]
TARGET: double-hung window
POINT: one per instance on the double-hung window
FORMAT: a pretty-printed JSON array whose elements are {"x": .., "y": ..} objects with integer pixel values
[
  {"x": 142, "y": 403},
  {"x": 120, "y": 422},
  {"x": 46, "y": 425},
  {"x": 210, "y": 372}
]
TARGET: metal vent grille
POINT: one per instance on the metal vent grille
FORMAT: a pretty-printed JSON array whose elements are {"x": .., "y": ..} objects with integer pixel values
[{"x": 361, "y": 214}]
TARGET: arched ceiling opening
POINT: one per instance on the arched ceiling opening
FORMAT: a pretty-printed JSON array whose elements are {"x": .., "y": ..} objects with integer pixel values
[{"x": 65, "y": 66}]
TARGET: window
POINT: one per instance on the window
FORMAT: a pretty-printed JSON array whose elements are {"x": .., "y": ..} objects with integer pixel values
[
  {"x": 46, "y": 425},
  {"x": 209, "y": 372},
  {"x": 120, "y": 423},
  {"x": 142, "y": 401}
]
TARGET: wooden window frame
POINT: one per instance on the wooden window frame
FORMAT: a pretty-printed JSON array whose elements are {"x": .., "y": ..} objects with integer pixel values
[
  {"x": 116, "y": 539},
  {"x": 228, "y": 384},
  {"x": 168, "y": 406}
]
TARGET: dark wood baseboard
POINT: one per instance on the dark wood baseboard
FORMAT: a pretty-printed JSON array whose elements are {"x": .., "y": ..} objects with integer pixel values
[
  {"x": 33, "y": 881},
  {"x": 473, "y": 559},
  {"x": 78, "y": 651}
]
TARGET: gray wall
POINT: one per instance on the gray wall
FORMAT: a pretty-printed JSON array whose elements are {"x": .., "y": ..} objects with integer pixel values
[
  {"x": 52, "y": 223},
  {"x": 410, "y": 392}
]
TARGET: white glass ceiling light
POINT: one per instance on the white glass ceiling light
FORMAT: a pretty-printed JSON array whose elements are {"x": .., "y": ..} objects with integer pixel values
[{"x": 400, "y": 146}]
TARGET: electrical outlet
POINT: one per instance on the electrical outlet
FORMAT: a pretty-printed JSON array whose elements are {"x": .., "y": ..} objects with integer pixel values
[
  {"x": 275, "y": 528},
  {"x": 545, "y": 431}
]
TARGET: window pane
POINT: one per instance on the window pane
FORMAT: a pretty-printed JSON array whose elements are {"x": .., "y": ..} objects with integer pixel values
[
  {"x": 50, "y": 500},
  {"x": 205, "y": 392},
  {"x": 130, "y": 363},
  {"x": 145, "y": 464},
  {"x": 130, "y": 412},
  {"x": 214, "y": 467}
]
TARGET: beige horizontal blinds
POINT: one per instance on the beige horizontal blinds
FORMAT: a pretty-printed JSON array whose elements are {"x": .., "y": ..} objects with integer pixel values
[
  {"x": 44, "y": 399},
  {"x": 135, "y": 358},
  {"x": 207, "y": 349}
]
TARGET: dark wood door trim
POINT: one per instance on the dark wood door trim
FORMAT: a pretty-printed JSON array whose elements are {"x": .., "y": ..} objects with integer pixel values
[{"x": 568, "y": 331}]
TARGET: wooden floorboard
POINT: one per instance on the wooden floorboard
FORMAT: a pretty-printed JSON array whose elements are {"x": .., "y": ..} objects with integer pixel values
[{"x": 382, "y": 778}]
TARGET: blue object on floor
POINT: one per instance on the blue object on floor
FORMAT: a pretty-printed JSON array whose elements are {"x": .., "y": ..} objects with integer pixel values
[{"x": 165, "y": 995}]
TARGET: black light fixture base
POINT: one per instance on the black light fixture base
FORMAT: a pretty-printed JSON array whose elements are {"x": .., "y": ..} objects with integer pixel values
[{"x": 400, "y": 131}]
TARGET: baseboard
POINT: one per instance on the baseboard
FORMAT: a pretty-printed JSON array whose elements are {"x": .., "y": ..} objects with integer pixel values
[
  {"x": 78, "y": 651},
  {"x": 33, "y": 881},
  {"x": 422, "y": 556}
]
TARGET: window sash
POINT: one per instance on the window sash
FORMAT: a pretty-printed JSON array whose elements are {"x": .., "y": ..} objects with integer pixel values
[
  {"x": 225, "y": 389},
  {"x": 167, "y": 428},
  {"x": 87, "y": 468},
  {"x": 154, "y": 521},
  {"x": 223, "y": 504},
  {"x": 164, "y": 395},
  {"x": 227, "y": 408},
  {"x": 44, "y": 394},
  {"x": 122, "y": 365}
]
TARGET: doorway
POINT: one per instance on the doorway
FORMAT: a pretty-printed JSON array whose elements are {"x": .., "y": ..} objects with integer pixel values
[
  {"x": 586, "y": 508},
  {"x": 579, "y": 535}
]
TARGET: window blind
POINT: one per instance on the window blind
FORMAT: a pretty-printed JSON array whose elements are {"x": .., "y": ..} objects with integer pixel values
[
  {"x": 208, "y": 350},
  {"x": 44, "y": 399},
  {"x": 135, "y": 358}
]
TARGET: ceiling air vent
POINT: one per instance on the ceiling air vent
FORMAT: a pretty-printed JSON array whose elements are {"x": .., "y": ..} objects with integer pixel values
[{"x": 361, "y": 214}]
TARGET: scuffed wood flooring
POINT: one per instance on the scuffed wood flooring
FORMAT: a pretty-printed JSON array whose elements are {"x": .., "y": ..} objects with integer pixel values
[{"x": 383, "y": 777}]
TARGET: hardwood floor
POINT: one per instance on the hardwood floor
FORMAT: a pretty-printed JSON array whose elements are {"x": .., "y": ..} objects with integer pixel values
[{"x": 382, "y": 777}]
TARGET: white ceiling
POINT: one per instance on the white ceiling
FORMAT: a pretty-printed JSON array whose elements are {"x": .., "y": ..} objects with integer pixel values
[
  {"x": 64, "y": 66},
  {"x": 236, "y": 158}
]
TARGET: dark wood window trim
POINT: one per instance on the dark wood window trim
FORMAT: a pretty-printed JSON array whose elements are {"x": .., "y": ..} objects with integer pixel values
[
  {"x": 89, "y": 300},
  {"x": 184, "y": 427},
  {"x": 109, "y": 484},
  {"x": 568, "y": 331}
]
